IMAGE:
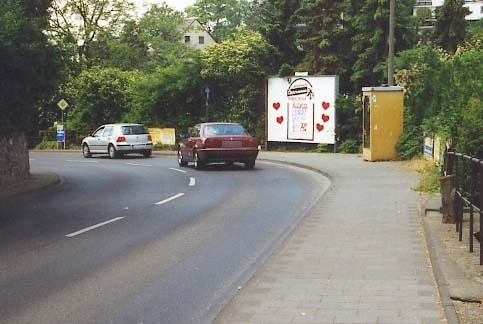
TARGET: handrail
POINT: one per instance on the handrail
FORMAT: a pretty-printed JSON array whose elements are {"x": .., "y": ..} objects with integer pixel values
[{"x": 469, "y": 191}]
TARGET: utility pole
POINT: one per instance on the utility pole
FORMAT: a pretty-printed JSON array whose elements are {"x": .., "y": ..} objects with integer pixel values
[{"x": 390, "y": 60}]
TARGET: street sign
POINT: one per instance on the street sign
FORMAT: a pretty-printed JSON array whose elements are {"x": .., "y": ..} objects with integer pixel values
[
  {"x": 60, "y": 133},
  {"x": 206, "y": 92},
  {"x": 62, "y": 104}
]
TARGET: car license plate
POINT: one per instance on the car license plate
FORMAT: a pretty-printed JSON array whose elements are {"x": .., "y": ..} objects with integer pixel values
[
  {"x": 231, "y": 144},
  {"x": 139, "y": 146}
]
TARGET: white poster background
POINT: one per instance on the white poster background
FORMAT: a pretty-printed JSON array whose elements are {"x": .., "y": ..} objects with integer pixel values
[{"x": 302, "y": 109}]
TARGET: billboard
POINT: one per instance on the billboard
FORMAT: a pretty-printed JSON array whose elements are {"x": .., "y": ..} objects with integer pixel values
[
  {"x": 302, "y": 109},
  {"x": 165, "y": 136}
]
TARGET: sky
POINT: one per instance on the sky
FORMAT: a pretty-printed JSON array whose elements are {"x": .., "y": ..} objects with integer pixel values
[{"x": 179, "y": 5}]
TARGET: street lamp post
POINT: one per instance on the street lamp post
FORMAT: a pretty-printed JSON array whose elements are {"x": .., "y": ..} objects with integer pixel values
[{"x": 390, "y": 64}]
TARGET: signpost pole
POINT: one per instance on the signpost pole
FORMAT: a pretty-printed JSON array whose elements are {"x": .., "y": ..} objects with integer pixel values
[{"x": 62, "y": 105}]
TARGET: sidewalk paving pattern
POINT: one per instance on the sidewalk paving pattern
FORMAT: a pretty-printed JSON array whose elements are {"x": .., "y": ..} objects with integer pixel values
[{"x": 357, "y": 257}]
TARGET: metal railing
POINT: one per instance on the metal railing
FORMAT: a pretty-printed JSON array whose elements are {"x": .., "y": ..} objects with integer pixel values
[{"x": 468, "y": 173}]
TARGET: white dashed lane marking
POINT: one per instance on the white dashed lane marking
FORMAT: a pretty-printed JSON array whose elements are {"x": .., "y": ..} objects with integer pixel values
[
  {"x": 174, "y": 169},
  {"x": 81, "y": 161},
  {"x": 140, "y": 164},
  {"x": 170, "y": 198},
  {"x": 87, "y": 229}
]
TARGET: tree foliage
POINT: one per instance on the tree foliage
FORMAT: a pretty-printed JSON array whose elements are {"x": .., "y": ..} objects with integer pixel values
[
  {"x": 100, "y": 96},
  {"x": 320, "y": 36},
  {"x": 222, "y": 17},
  {"x": 29, "y": 65},
  {"x": 441, "y": 95},
  {"x": 236, "y": 68},
  {"x": 78, "y": 23},
  {"x": 370, "y": 23},
  {"x": 451, "y": 24},
  {"x": 273, "y": 19}
]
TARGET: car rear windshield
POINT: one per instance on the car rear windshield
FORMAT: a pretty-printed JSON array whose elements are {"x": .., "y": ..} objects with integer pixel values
[
  {"x": 225, "y": 129},
  {"x": 133, "y": 130}
]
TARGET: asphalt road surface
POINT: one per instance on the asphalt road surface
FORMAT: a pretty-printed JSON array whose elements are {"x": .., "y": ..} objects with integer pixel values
[{"x": 138, "y": 240}]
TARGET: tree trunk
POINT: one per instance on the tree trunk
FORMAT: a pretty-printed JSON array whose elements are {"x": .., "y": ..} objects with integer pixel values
[{"x": 14, "y": 159}]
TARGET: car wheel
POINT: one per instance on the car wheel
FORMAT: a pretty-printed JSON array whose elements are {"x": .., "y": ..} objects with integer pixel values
[
  {"x": 250, "y": 164},
  {"x": 198, "y": 163},
  {"x": 147, "y": 153},
  {"x": 86, "y": 152},
  {"x": 112, "y": 151},
  {"x": 181, "y": 162}
]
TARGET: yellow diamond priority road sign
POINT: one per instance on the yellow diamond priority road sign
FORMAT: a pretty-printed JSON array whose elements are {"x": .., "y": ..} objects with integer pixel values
[{"x": 62, "y": 104}]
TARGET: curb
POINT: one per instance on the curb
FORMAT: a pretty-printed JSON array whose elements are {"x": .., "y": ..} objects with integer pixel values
[
  {"x": 36, "y": 182},
  {"x": 450, "y": 279}
]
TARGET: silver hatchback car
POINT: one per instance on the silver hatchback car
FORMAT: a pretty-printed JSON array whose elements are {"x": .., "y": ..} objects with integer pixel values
[{"x": 117, "y": 140}]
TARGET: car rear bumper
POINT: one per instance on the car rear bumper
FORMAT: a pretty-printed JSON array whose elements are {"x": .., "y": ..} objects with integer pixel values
[
  {"x": 227, "y": 154},
  {"x": 134, "y": 148}
]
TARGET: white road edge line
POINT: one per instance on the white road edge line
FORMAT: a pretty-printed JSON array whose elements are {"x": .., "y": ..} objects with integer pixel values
[
  {"x": 139, "y": 164},
  {"x": 169, "y": 199},
  {"x": 192, "y": 181},
  {"x": 94, "y": 227},
  {"x": 174, "y": 169},
  {"x": 79, "y": 161}
]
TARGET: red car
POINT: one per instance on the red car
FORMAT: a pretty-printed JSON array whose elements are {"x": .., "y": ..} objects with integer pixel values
[{"x": 218, "y": 142}]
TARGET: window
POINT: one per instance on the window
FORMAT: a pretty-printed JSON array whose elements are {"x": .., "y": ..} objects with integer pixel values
[
  {"x": 107, "y": 131},
  {"x": 201, "y": 39},
  {"x": 187, "y": 39}
]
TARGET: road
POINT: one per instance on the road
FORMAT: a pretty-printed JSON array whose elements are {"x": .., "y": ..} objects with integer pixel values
[{"x": 141, "y": 240}]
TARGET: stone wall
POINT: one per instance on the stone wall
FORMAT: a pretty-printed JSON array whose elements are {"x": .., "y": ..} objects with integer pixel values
[{"x": 14, "y": 159}]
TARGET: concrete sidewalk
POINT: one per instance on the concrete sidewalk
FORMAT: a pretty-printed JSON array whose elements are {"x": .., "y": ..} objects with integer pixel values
[{"x": 360, "y": 256}]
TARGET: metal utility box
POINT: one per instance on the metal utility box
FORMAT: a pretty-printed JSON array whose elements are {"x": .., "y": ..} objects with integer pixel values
[{"x": 382, "y": 122}]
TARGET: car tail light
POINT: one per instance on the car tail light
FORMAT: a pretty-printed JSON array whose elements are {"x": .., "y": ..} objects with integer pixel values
[
  {"x": 212, "y": 142},
  {"x": 150, "y": 138},
  {"x": 120, "y": 139}
]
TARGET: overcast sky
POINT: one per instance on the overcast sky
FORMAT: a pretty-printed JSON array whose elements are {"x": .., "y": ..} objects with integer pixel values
[{"x": 179, "y": 5}]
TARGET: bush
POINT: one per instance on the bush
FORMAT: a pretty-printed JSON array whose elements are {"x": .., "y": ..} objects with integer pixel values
[
  {"x": 350, "y": 146},
  {"x": 48, "y": 145},
  {"x": 322, "y": 148}
]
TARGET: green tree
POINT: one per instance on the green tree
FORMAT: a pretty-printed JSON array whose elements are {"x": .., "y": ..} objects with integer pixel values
[
  {"x": 451, "y": 25},
  {"x": 370, "y": 24},
  {"x": 99, "y": 96},
  {"x": 273, "y": 19},
  {"x": 30, "y": 66},
  {"x": 169, "y": 96},
  {"x": 236, "y": 69},
  {"x": 159, "y": 29},
  {"x": 470, "y": 137},
  {"x": 29, "y": 71},
  {"x": 76, "y": 24},
  {"x": 440, "y": 94},
  {"x": 321, "y": 36},
  {"x": 222, "y": 17},
  {"x": 127, "y": 51}
]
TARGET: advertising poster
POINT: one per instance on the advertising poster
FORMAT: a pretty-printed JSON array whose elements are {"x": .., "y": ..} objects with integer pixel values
[{"x": 302, "y": 109}]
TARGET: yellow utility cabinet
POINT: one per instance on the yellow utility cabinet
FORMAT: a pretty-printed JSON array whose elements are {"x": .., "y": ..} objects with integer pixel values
[{"x": 382, "y": 119}]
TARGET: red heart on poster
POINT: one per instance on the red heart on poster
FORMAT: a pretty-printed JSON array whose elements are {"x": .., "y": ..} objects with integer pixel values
[
  {"x": 276, "y": 105},
  {"x": 320, "y": 127},
  {"x": 280, "y": 119},
  {"x": 325, "y": 118},
  {"x": 325, "y": 105}
]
